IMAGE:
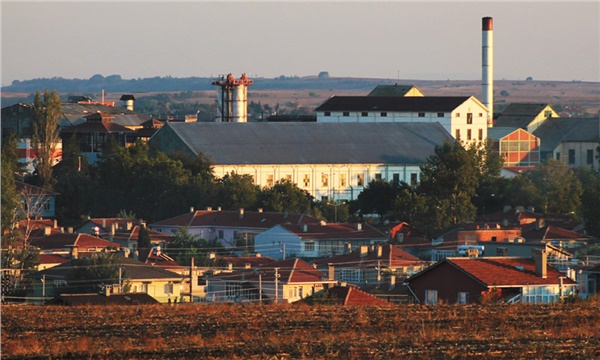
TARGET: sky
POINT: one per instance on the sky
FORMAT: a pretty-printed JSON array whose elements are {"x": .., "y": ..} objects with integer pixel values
[{"x": 389, "y": 40}]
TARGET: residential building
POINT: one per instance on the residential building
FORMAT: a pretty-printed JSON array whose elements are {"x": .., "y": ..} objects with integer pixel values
[
  {"x": 315, "y": 240},
  {"x": 123, "y": 231},
  {"x": 332, "y": 161},
  {"x": 230, "y": 228},
  {"x": 527, "y": 116},
  {"x": 468, "y": 280},
  {"x": 37, "y": 202},
  {"x": 464, "y": 117},
  {"x": 283, "y": 281},
  {"x": 372, "y": 265}
]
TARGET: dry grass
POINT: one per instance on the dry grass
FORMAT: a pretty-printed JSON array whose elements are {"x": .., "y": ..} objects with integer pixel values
[{"x": 302, "y": 332}]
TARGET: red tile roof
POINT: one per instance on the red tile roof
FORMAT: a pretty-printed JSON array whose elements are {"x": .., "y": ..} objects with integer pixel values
[
  {"x": 350, "y": 295},
  {"x": 290, "y": 271},
  {"x": 226, "y": 218},
  {"x": 241, "y": 261},
  {"x": 52, "y": 259},
  {"x": 335, "y": 231},
  {"x": 63, "y": 241},
  {"x": 506, "y": 271},
  {"x": 391, "y": 257}
]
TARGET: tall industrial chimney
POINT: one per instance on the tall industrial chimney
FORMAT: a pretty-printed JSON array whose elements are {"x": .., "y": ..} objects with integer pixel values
[
  {"x": 232, "y": 98},
  {"x": 487, "y": 63}
]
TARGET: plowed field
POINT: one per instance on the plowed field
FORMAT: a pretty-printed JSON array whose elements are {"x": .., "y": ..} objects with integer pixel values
[{"x": 191, "y": 331}]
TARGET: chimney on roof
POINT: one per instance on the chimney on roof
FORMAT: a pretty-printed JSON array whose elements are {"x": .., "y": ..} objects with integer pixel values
[
  {"x": 73, "y": 251},
  {"x": 347, "y": 248},
  {"x": 212, "y": 255},
  {"x": 241, "y": 213},
  {"x": 323, "y": 223},
  {"x": 379, "y": 251},
  {"x": 247, "y": 265},
  {"x": 104, "y": 223},
  {"x": 230, "y": 266},
  {"x": 111, "y": 234},
  {"x": 258, "y": 255},
  {"x": 69, "y": 230},
  {"x": 129, "y": 225},
  {"x": 358, "y": 226},
  {"x": 47, "y": 230},
  {"x": 260, "y": 210},
  {"x": 540, "y": 257},
  {"x": 62, "y": 230},
  {"x": 218, "y": 208},
  {"x": 55, "y": 223},
  {"x": 304, "y": 227},
  {"x": 540, "y": 223},
  {"x": 331, "y": 272},
  {"x": 392, "y": 281}
]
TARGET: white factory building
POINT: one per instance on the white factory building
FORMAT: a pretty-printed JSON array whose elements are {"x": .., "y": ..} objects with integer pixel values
[
  {"x": 464, "y": 117},
  {"x": 329, "y": 160}
]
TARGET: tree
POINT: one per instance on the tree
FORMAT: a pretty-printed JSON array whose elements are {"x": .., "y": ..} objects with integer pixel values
[
  {"x": 90, "y": 273},
  {"x": 449, "y": 181},
  {"x": 285, "y": 196},
  {"x": 144, "y": 238},
  {"x": 46, "y": 115},
  {"x": 590, "y": 196},
  {"x": 378, "y": 197},
  {"x": 10, "y": 198},
  {"x": 236, "y": 191}
]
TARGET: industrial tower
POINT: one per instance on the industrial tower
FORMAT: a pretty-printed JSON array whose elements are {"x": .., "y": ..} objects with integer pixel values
[{"x": 232, "y": 98}]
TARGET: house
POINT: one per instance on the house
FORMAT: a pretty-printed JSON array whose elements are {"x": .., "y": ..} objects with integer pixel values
[
  {"x": 283, "y": 281},
  {"x": 372, "y": 265},
  {"x": 588, "y": 278},
  {"x": 156, "y": 257},
  {"x": 396, "y": 90},
  {"x": 148, "y": 129},
  {"x": 328, "y": 160},
  {"x": 516, "y": 146},
  {"x": 64, "y": 243},
  {"x": 230, "y": 228},
  {"x": 123, "y": 231},
  {"x": 103, "y": 299},
  {"x": 464, "y": 117},
  {"x": 315, "y": 240},
  {"x": 47, "y": 261},
  {"x": 527, "y": 116},
  {"x": 240, "y": 262},
  {"x": 468, "y": 280},
  {"x": 570, "y": 140},
  {"x": 36, "y": 202},
  {"x": 163, "y": 285},
  {"x": 345, "y": 296}
]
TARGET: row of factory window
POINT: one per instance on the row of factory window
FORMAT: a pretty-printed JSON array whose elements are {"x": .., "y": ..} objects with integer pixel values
[
  {"x": 589, "y": 158},
  {"x": 359, "y": 179},
  {"x": 421, "y": 114},
  {"x": 469, "y": 135}
]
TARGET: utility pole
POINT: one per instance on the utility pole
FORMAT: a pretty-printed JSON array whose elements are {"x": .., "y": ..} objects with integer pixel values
[
  {"x": 120, "y": 278},
  {"x": 283, "y": 250},
  {"x": 43, "y": 288},
  {"x": 276, "y": 285},
  {"x": 192, "y": 280},
  {"x": 260, "y": 287}
]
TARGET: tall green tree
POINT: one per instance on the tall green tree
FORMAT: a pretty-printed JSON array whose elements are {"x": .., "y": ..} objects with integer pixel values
[
  {"x": 235, "y": 191},
  {"x": 378, "y": 197},
  {"x": 90, "y": 273},
  {"x": 449, "y": 181},
  {"x": 144, "y": 238},
  {"x": 46, "y": 115},
  {"x": 590, "y": 199},
  {"x": 285, "y": 196},
  {"x": 10, "y": 197}
]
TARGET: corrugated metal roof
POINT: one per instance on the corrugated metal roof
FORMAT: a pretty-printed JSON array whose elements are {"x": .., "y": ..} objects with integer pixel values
[
  {"x": 305, "y": 143},
  {"x": 498, "y": 133},
  {"x": 519, "y": 115},
  {"x": 393, "y": 103},
  {"x": 553, "y": 131},
  {"x": 391, "y": 90}
]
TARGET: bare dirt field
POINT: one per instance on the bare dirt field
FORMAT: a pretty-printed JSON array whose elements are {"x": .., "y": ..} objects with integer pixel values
[{"x": 193, "y": 331}]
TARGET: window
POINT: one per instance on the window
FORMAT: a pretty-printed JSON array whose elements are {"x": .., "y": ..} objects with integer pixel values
[
  {"x": 558, "y": 156},
  {"x": 571, "y": 156},
  {"x": 440, "y": 114},
  {"x": 469, "y": 118},
  {"x": 324, "y": 180},
  {"x": 270, "y": 180},
  {"x": 306, "y": 180},
  {"x": 378, "y": 176},
  {"x": 144, "y": 288},
  {"x": 396, "y": 179},
  {"x": 220, "y": 234},
  {"x": 346, "y": 113},
  {"x": 480, "y": 134},
  {"x": 383, "y": 114},
  {"x": 327, "y": 113},
  {"x": 413, "y": 179},
  {"x": 480, "y": 114},
  {"x": 463, "y": 298},
  {"x": 590, "y": 157},
  {"x": 350, "y": 275},
  {"x": 431, "y": 297},
  {"x": 169, "y": 288},
  {"x": 309, "y": 246},
  {"x": 342, "y": 180},
  {"x": 47, "y": 206},
  {"x": 457, "y": 114},
  {"x": 468, "y": 134},
  {"x": 359, "y": 180},
  {"x": 364, "y": 113},
  {"x": 548, "y": 113},
  {"x": 288, "y": 178},
  {"x": 494, "y": 239},
  {"x": 457, "y": 134},
  {"x": 421, "y": 114}
]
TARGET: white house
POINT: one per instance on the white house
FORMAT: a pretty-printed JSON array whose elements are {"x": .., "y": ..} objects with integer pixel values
[
  {"x": 464, "y": 117},
  {"x": 315, "y": 240},
  {"x": 329, "y": 160}
]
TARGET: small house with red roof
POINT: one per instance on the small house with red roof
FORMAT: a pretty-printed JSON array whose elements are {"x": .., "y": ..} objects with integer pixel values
[
  {"x": 230, "y": 228},
  {"x": 123, "y": 231},
  {"x": 478, "y": 279},
  {"x": 283, "y": 281},
  {"x": 316, "y": 240},
  {"x": 345, "y": 296},
  {"x": 61, "y": 243},
  {"x": 372, "y": 265}
]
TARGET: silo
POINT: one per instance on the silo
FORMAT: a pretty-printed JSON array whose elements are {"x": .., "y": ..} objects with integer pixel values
[{"x": 232, "y": 98}]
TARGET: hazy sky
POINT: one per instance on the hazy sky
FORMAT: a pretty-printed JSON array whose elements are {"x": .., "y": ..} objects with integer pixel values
[{"x": 406, "y": 40}]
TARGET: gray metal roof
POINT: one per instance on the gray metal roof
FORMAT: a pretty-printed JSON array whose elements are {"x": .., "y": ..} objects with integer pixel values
[
  {"x": 498, "y": 133},
  {"x": 304, "y": 143},
  {"x": 519, "y": 115},
  {"x": 74, "y": 114},
  {"x": 391, "y": 90},
  {"x": 554, "y": 131},
  {"x": 393, "y": 103}
]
